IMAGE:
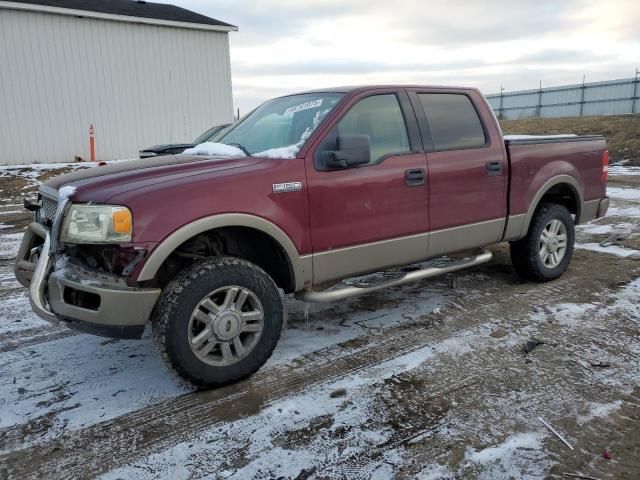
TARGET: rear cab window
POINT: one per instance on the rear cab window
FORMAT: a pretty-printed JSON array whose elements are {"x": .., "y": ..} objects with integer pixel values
[{"x": 453, "y": 121}]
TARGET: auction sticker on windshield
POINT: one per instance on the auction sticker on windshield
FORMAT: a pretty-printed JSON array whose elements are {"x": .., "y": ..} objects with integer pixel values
[{"x": 304, "y": 106}]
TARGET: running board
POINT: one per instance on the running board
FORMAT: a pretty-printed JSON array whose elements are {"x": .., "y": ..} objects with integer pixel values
[{"x": 482, "y": 256}]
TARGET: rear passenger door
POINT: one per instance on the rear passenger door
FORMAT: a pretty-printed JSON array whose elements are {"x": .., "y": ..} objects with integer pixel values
[{"x": 467, "y": 169}]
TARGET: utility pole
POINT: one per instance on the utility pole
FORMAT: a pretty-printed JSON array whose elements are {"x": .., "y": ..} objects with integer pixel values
[
  {"x": 582, "y": 95},
  {"x": 539, "y": 109},
  {"x": 635, "y": 92},
  {"x": 501, "y": 98}
]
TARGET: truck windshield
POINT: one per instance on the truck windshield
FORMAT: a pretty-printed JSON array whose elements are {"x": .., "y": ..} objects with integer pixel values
[{"x": 279, "y": 127}]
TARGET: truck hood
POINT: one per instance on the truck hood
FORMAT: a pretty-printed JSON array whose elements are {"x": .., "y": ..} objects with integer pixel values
[{"x": 100, "y": 183}]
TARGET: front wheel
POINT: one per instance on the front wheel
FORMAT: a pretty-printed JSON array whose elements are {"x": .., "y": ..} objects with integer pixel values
[
  {"x": 545, "y": 253},
  {"x": 218, "y": 321}
]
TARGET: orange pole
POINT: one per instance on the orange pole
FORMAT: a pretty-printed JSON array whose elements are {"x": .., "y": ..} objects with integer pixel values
[{"x": 92, "y": 143}]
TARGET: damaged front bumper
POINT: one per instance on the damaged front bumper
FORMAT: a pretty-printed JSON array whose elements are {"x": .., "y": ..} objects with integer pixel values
[{"x": 85, "y": 300}]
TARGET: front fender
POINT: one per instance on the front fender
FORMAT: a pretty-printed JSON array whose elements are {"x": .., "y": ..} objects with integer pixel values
[{"x": 301, "y": 265}]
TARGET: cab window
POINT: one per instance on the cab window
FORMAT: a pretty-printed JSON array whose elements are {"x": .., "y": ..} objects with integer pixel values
[
  {"x": 453, "y": 121},
  {"x": 380, "y": 118}
]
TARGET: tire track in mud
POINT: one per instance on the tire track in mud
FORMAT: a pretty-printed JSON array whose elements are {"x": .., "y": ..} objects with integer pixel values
[
  {"x": 32, "y": 336},
  {"x": 127, "y": 438}
]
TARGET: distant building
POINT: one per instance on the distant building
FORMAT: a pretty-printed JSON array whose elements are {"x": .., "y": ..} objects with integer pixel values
[{"x": 141, "y": 73}]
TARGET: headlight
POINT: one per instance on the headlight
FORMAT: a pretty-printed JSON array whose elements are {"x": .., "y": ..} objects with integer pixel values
[{"x": 97, "y": 224}]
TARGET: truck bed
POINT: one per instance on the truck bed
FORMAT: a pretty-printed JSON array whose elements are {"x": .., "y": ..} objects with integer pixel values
[{"x": 535, "y": 159}]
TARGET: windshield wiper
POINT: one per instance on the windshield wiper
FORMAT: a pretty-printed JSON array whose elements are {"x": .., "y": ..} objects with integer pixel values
[{"x": 241, "y": 147}]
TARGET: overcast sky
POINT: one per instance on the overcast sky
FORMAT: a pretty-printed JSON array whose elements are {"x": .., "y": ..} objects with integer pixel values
[{"x": 285, "y": 46}]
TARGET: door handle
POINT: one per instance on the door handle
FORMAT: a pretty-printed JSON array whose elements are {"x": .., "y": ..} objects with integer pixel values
[
  {"x": 494, "y": 168},
  {"x": 415, "y": 177}
]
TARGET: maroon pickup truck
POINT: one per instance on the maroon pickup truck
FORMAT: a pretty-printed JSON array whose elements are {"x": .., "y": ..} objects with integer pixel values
[{"x": 303, "y": 192}]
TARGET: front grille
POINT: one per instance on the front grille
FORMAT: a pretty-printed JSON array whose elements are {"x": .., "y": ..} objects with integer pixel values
[{"x": 49, "y": 207}]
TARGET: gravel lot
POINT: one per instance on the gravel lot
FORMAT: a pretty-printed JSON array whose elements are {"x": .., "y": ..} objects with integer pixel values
[{"x": 427, "y": 381}]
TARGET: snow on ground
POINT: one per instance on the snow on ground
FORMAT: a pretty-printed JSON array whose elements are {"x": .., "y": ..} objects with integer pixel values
[
  {"x": 599, "y": 410},
  {"x": 261, "y": 432},
  {"x": 37, "y": 169},
  {"x": 624, "y": 211},
  {"x": 567, "y": 314},
  {"x": 609, "y": 249},
  {"x": 623, "y": 170},
  {"x": 511, "y": 455},
  {"x": 606, "y": 228},
  {"x": 33, "y": 172},
  {"x": 625, "y": 193},
  {"x": 89, "y": 359},
  {"x": 616, "y": 231},
  {"x": 113, "y": 388},
  {"x": 264, "y": 444},
  {"x": 9, "y": 245}
]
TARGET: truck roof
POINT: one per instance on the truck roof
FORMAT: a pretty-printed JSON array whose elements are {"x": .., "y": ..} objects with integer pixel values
[{"x": 362, "y": 88}]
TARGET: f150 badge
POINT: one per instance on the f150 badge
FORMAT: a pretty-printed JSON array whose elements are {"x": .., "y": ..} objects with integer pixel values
[{"x": 287, "y": 187}]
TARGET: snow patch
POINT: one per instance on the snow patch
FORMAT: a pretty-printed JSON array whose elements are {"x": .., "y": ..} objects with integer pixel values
[
  {"x": 627, "y": 300},
  {"x": 283, "y": 152},
  {"x": 435, "y": 472},
  {"x": 622, "y": 170},
  {"x": 66, "y": 192},
  {"x": 595, "y": 229},
  {"x": 607, "y": 228},
  {"x": 80, "y": 359},
  {"x": 569, "y": 314},
  {"x": 624, "y": 212},
  {"x": 10, "y": 245},
  {"x": 597, "y": 410},
  {"x": 624, "y": 193},
  {"x": 211, "y": 148},
  {"x": 611, "y": 249},
  {"x": 519, "y": 456},
  {"x": 529, "y": 440}
]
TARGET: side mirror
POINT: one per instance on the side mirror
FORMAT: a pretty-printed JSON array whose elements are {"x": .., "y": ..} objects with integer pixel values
[{"x": 352, "y": 150}]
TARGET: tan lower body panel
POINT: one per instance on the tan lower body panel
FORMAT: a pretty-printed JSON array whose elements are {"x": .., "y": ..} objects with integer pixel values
[
  {"x": 516, "y": 227},
  {"x": 370, "y": 257},
  {"x": 347, "y": 262},
  {"x": 589, "y": 210},
  {"x": 475, "y": 235}
]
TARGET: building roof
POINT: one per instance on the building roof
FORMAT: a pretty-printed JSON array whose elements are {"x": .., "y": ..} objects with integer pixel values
[{"x": 128, "y": 10}]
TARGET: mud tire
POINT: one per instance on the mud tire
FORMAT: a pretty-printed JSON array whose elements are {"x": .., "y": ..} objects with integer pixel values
[
  {"x": 171, "y": 316},
  {"x": 525, "y": 253}
]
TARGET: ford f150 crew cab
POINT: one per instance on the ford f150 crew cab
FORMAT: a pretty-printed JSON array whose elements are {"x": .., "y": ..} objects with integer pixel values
[{"x": 305, "y": 191}]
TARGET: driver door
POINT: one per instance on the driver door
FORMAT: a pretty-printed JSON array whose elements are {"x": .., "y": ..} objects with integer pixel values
[{"x": 369, "y": 217}]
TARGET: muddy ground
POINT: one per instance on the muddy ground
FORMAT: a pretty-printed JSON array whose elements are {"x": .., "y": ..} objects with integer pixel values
[{"x": 429, "y": 380}]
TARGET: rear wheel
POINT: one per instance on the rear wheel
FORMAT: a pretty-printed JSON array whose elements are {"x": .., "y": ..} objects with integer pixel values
[
  {"x": 218, "y": 321},
  {"x": 545, "y": 253}
]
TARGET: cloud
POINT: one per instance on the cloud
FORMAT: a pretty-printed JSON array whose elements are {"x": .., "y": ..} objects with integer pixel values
[{"x": 295, "y": 45}]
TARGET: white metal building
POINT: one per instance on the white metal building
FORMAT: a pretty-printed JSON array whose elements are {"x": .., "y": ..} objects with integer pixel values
[{"x": 141, "y": 73}]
